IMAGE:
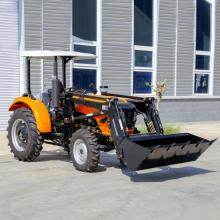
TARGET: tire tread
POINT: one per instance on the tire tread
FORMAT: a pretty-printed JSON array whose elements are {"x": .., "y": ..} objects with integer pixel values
[
  {"x": 93, "y": 149},
  {"x": 36, "y": 144}
]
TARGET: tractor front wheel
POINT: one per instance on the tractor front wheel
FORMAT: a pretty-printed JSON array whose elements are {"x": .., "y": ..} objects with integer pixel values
[
  {"x": 84, "y": 151},
  {"x": 24, "y": 138}
]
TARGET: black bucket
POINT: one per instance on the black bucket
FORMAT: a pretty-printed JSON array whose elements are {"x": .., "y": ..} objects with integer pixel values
[{"x": 148, "y": 151}]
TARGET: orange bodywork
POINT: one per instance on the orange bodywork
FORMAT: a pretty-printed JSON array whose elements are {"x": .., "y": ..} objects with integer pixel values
[
  {"x": 43, "y": 119},
  {"x": 39, "y": 110},
  {"x": 104, "y": 127}
]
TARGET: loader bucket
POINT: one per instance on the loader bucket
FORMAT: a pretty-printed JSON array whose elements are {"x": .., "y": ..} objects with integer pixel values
[{"x": 148, "y": 151}]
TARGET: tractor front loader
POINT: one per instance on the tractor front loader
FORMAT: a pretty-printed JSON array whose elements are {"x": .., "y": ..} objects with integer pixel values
[{"x": 87, "y": 123}]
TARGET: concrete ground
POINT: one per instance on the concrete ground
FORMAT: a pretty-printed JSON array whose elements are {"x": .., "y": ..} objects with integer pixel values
[{"x": 50, "y": 188}]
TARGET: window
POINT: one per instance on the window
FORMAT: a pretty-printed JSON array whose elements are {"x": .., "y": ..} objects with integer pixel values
[
  {"x": 85, "y": 40},
  {"x": 84, "y": 79},
  {"x": 144, "y": 46},
  {"x": 202, "y": 62},
  {"x": 201, "y": 83},
  {"x": 84, "y": 21},
  {"x": 143, "y": 58},
  {"x": 142, "y": 82},
  {"x": 203, "y": 25},
  {"x": 85, "y": 49},
  {"x": 204, "y": 51},
  {"x": 143, "y": 22}
]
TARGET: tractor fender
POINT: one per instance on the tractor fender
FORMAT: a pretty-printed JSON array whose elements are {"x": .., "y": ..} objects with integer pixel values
[{"x": 39, "y": 110}]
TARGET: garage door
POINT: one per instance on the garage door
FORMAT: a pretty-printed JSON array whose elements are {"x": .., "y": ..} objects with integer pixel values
[{"x": 9, "y": 57}]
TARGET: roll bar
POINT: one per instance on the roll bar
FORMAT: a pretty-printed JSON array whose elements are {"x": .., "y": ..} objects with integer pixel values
[{"x": 65, "y": 56}]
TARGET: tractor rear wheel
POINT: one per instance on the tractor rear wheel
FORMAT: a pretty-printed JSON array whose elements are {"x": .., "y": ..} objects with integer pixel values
[
  {"x": 24, "y": 138},
  {"x": 84, "y": 151}
]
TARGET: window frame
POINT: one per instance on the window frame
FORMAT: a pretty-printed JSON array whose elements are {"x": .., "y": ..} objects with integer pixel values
[
  {"x": 97, "y": 44},
  {"x": 93, "y": 44},
  {"x": 210, "y": 54},
  {"x": 152, "y": 49}
]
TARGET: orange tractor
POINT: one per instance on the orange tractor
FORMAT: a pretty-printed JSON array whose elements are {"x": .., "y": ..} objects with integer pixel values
[{"x": 86, "y": 123}]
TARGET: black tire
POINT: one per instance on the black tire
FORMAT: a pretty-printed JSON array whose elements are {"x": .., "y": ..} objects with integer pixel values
[
  {"x": 91, "y": 159},
  {"x": 31, "y": 143}
]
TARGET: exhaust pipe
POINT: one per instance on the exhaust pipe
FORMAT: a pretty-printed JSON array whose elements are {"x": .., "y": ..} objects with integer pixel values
[{"x": 55, "y": 85}]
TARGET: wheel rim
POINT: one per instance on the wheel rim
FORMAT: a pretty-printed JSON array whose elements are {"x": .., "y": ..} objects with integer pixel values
[
  {"x": 80, "y": 151},
  {"x": 19, "y": 134}
]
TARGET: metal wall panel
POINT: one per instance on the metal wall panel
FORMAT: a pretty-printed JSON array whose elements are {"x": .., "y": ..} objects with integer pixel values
[
  {"x": 185, "y": 47},
  {"x": 47, "y": 27},
  {"x": 189, "y": 110},
  {"x": 217, "y": 52},
  {"x": 9, "y": 57},
  {"x": 57, "y": 17},
  {"x": 167, "y": 44},
  {"x": 33, "y": 38},
  {"x": 117, "y": 45}
]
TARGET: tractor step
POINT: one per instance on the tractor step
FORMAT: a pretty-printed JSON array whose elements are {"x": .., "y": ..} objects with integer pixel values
[{"x": 149, "y": 151}]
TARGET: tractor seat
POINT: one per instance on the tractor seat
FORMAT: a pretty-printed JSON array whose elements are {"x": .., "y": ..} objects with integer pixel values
[{"x": 45, "y": 96}]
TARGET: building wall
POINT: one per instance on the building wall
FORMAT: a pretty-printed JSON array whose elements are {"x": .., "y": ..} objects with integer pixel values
[
  {"x": 48, "y": 26},
  {"x": 217, "y": 52},
  {"x": 185, "y": 47},
  {"x": 167, "y": 44},
  {"x": 33, "y": 38},
  {"x": 188, "y": 110},
  {"x": 177, "y": 24},
  {"x": 9, "y": 57},
  {"x": 117, "y": 45},
  {"x": 56, "y": 33}
]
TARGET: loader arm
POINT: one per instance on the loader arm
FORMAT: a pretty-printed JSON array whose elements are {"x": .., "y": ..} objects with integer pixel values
[
  {"x": 153, "y": 150},
  {"x": 142, "y": 151},
  {"x": 118, "y": 127},
  {"x": 148, "y": 109}
]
